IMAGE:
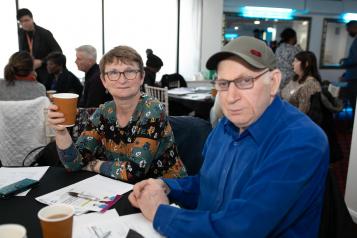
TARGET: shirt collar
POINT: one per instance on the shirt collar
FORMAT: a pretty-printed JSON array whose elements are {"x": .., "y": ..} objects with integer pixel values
[{"x": 258, "y": 130}]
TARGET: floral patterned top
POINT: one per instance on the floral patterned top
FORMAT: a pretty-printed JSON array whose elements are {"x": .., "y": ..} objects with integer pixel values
[
  {"x": 299, "y": 94},
  {"x": 285, "y": 55},
  {"x": 145, "y": 148}
]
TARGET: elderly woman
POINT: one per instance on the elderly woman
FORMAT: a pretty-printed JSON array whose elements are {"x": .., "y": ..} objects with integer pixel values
[
  {"x": 129, "y": 138},
  {"x": 20, "y": 79}
]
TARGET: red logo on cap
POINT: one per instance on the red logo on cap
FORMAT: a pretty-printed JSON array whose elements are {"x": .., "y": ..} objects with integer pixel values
[{"x": 256, "y": 53}]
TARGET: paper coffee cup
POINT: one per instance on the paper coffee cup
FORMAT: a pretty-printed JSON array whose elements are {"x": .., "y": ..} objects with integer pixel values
[
  {"x": 13, "y": 231},
  {"x": 67, "y": 104},
  {"x": 56, "y": 221}
]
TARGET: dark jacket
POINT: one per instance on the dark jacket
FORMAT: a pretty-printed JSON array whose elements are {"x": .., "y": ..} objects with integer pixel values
[
  {"x": 67, "y": 82},
  {"x": 43, "y": 44},
  {"x": 94, "y": 92}
]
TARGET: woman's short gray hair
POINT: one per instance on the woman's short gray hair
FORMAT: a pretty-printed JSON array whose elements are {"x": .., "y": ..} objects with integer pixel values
[{"x": 89, "y": 50}]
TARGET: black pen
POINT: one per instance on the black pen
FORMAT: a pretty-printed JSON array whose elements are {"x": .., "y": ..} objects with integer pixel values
[{"x": 85, "y": 196}]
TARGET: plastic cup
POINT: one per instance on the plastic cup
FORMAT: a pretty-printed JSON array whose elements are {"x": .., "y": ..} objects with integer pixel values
[
  {"x": 67, "y": 104},
  {"x": 56, "y": 221},
  {"x": 50, "y": 93},
  {"x": 13, "y": 231}
]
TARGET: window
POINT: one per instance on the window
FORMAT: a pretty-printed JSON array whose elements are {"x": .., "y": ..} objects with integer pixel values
[
  {"x": 143, "y": 24},
  {"x": 335, "y": 43},
  {"x": 80, "y": 24},
  {"x": 9, "y": 43}
]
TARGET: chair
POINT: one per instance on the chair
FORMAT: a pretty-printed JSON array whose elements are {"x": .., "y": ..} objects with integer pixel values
[
  {"x": 159, "y": 93},
  {"x": 190, "y": 136},
  {"x": 173, "y": 81},
  {"x": 336, "y": 220},
  {"x": 22, "y": 128}
]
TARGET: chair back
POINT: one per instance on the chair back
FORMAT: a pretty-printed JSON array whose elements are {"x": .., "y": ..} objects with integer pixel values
[
  {"x": 160, "y": 94},
  {"x": 336, "y": 220},
  {"x": 22, "y": 128},
  {"x": 173, "y": 81},
  {"x": 190, "y": 136}
]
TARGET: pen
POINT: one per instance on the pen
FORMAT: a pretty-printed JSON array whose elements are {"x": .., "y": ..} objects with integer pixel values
[{"x": 85, "y": 196}]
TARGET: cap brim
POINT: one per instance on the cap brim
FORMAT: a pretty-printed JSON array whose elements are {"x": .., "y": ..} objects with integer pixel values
[{"x": 213, "y": 61}]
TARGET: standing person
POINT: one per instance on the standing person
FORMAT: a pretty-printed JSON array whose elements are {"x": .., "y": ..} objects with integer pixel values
[
  {"x": 350, "y": 63},
  {"x": 36, "y": 40},
  {"x": 264, "y": 161},
  {"x": 20, "y": 79},
  {"x": 129, "y": 138},
  {"x": 285, "y": 53},
  {"x": 94, "y": 93},
  {"x": 153, "y": 65},
  {"x": 61, "y": 79}
]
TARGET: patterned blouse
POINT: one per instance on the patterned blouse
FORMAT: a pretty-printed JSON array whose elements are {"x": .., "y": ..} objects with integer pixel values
[
  {"x": 145, "y": 148},
  {"x": 299, "y": 94},
  {"x": 285, "y": 55}
]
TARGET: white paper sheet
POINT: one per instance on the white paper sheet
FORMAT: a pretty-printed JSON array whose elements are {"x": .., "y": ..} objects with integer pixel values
[
  {"x": 111, "y": 225},
  {"x": 12, "y": 175},
  {"x": 97, "y": 186},
  {"x": 181, "y": 91}
]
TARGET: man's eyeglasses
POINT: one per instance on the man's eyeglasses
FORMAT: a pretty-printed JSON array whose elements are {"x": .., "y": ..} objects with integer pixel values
[
  {"x": 114, "y": 75},
  {"x": 241, "y": 83}
]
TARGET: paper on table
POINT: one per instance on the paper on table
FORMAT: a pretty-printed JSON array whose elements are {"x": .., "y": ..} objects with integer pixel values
[
  {"x": 97, "y": 186},
  {"x": 95, "y": 225},
  {"x": 181, "y": 91},
  {"x": 197, "y": 96},
  {"x": 12, "y": 175}
]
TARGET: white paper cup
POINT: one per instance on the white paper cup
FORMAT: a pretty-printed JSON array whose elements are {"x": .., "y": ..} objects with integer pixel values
[
  {"x": 12, "y": 231},
  {"x": 67, "y": 104}
]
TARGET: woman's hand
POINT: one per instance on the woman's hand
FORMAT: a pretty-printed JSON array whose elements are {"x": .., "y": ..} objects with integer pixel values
[{"x": 55, "y": 119}]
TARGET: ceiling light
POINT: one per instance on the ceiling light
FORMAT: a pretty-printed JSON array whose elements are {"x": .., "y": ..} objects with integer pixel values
[{"x": 267, "y": 12}]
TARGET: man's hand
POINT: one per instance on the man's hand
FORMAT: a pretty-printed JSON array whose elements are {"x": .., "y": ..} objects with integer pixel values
[
  {"x": 148, "y": 195},
  {"x": 37, "y": 63}
]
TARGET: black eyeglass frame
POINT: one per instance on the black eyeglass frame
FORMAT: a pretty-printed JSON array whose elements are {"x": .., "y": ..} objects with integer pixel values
[{"x": 124, "y": 73}]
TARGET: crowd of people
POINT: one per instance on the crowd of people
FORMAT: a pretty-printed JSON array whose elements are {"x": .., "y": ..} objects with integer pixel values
[{"x": 264, "y": 160}]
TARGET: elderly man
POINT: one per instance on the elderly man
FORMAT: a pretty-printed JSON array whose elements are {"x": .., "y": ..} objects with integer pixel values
[
  {"x": 94, "y": 93},
  {"x": 36, "y": 40},
  {"x": 265, "y": 162}
]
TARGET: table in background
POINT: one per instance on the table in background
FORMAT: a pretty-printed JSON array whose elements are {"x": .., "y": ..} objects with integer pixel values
[
  {"x": 199, "y": 101},
  {"x": 23, "y": 210}
]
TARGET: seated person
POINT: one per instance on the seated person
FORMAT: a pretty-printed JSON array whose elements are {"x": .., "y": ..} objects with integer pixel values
[
  {"x": 128, "y": 138},
  {"x": 265, "y": 163},
  {"x": 173, "y": 81},
  {"x": 153, "y": 65},
  {"x": 20, "y": 79},
  {"x": 94, "y": 93},
  {"x": 60, "y": 78}
]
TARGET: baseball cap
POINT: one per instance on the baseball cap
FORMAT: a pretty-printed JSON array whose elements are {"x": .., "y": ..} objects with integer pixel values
[{"x": 253, "y": 51}]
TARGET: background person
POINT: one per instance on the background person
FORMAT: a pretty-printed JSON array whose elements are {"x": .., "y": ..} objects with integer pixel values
[
  {"x": 36, "y": 40},
  {"x": 257, "y": 167},
  {"x": 285, "y": 53},
  {"x": 60, "y": 78},
  {"x": 94, "y": 93},
  {"x": 153, "y": 65},
  {"x": 129, "y": 138},
  {"x": 305, "y": 83},
  {"x": 350, "y": 63},
  {"x": 20, "y": 79}
]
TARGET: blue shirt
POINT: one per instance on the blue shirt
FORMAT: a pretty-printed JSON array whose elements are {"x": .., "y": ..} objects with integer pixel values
[
  {"x": 350, "y": 63},
  {"x": 265, "y": 182}
]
